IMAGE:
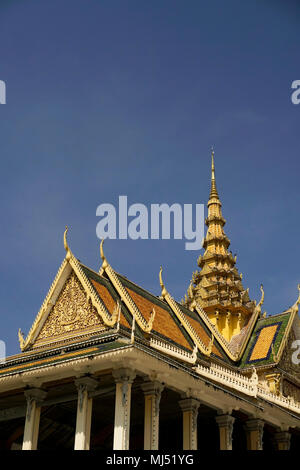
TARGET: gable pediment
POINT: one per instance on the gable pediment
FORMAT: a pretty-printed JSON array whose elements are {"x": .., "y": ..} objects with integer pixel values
[
  {"x": 72, "y": 309},
  {"x": 72, "y": 315}
]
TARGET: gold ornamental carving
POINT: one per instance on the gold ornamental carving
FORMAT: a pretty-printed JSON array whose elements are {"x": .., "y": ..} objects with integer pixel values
[{"x": 71, "y": 312}]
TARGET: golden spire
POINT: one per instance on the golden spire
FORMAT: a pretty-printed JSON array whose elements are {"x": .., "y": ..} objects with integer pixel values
[
  {"x": 217, "y": 286},
  {"x": 213, "y": 187}
]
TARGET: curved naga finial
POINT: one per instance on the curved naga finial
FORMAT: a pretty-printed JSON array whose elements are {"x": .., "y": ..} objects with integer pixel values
[
  {"x": 295, "y": 307},
  {"x": 195, "y": 354},
  {"x": 67, "y": 248},
  {"x": 163, "y": 289},
  {"x": 258, "y": 306},
  {"x": 104, "y": 260},
  {"x": 149, "y": 325},
  {"x": 210, "y": 345},
  {"x": 21, "y": 339}
]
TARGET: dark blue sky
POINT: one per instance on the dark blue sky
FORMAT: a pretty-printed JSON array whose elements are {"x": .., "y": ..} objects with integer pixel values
[{"x": 106, "y": 98}]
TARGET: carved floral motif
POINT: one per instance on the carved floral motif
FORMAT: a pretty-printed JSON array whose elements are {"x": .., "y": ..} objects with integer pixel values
[{"x": 71, "y": 312}]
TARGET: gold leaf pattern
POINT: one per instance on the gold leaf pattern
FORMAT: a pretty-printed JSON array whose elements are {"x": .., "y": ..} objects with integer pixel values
[{"x": 72, "y": 312}]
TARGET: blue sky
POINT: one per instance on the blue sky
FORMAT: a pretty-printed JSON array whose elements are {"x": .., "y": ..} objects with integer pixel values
[{"x": 114, "y": 97}]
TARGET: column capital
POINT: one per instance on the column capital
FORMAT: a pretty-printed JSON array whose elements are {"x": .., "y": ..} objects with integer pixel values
[
  {"x": 124, "y": 375},
  {"x": 152, "y": 388},
  {"x": 34, "y": 395},
  {"x": 254, "y": 424},
  {"x": 86, "y": 383},
  {"x": 225, "y": 420},
  {"x": 283, "y": 440},
  {"x": 189, "y": 404}
]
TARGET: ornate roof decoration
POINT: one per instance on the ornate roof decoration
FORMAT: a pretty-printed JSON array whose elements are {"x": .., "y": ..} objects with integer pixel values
[
  {"x": 125, "y": 297},
  {"x": 217, "y": 287},
  {"x": 269, "y": 337},
  {"x": 69, "y": 264},
  {"x": 184, "y": 320}
]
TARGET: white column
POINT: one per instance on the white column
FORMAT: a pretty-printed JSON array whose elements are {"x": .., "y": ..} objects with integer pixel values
[
  {"x": 225, "y": 423},
  {"x": 123, "y": 378},
  {"x": 152, "y": 392},
  {"x": 84, "y": 412},
  {"x": 34, "y": 398},
  {"x": 189, "y": 408}
]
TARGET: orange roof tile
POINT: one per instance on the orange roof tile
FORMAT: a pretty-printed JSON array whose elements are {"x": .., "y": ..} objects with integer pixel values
[
  {"x": 163, "y": 323},
  {"x": 108, "y": 301},
  {"x": 202, "y": 334}
]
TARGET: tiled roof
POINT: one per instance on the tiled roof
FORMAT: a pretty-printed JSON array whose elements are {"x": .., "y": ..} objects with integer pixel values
[
  {"x": 163, "y": 324},
  {"x": 106, "y": 293},
  {"x": 166, "y": 324}
]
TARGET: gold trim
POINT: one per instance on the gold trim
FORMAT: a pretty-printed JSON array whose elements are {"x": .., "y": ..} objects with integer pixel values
[
  {"x": 184, "y": 321},
  {"x": 72, "y": 263},
  {"x": 125, "y": 296}
]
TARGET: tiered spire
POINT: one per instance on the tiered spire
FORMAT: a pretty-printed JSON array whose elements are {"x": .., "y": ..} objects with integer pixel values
[{"x": 217, "y": 286}]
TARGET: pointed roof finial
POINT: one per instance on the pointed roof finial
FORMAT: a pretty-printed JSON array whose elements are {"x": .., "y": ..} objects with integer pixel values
[
  {"x": 163, "y": 289},
  {"x": 67, "y": 248},
  {"x": 295, "y": 307},
  {"x": 104, "y": 260},
  {"x": 213, "y": 187}
]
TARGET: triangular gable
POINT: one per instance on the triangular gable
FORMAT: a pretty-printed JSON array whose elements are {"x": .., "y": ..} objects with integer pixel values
[
  {"x": 71, "y": 317},
  {"x": 94, "y": 305}
]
